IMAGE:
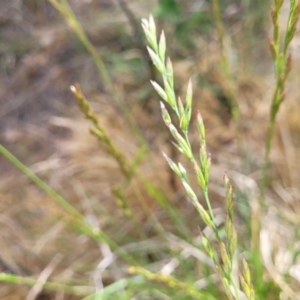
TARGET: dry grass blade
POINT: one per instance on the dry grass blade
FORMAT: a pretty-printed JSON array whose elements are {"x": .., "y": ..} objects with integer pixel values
[{"x": 43, "y": 277}]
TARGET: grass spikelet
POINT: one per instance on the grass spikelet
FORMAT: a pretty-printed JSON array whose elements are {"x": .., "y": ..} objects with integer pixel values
[
  {"x": 171, "y": 282},
  {"x": 202, "y": 170},
  {"x": 282, "y": 66},
  {"x": 100, "y": 132}
]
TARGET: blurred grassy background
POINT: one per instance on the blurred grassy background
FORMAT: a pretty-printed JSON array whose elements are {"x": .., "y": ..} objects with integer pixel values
[{"x": 40, "y": 57}]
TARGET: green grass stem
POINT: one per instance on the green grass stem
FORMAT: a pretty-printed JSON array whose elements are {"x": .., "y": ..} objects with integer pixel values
[
  {"x": 64, "y": 8},
  {"x": 77, "y": 218},
  {"x": 51, "y": 286},
  {"x": 282, "y": 67}
]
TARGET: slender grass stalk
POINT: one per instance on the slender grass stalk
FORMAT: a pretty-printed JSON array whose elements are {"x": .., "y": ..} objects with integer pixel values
[
  {"x": 51, "y": 286},
  {"x": 40, "y": 183},
  {"x": 100, "y": 133},
  {"x": 64, "y": 8},
  {"x": 124, "y": 286},
  {"x": 282, "y": 65},
  {"x": 75, "y": 217},
  {"x": 172, "y": 283},
  {"x": 128, "y": 169},
  {"x": 224, "y": 251},
  {"x": 87, "y": 292},
  {"x": 78, "y": 220},
  {"x": 157, "y": 51}
]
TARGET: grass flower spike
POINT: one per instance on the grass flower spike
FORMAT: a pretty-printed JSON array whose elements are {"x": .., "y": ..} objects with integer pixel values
[
  {"x": 222, "y": 257},
  {"x": 119, "y": 227},
  {"x": 279, "y": 47}
]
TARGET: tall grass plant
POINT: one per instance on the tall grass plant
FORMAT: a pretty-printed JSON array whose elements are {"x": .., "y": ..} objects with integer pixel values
[{"x": 218, "y": 249}]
